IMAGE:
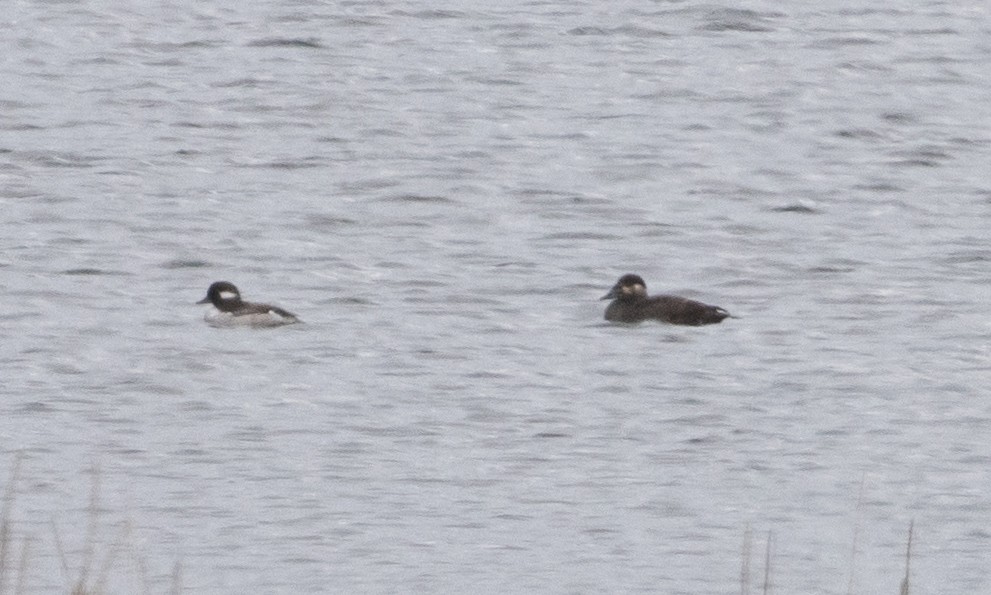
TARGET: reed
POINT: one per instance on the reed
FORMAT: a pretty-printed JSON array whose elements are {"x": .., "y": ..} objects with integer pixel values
[
  {"x": 91, "y": 578},
  {"x": 177, "y": 578},
  {"x": 908, "y": 559},
  {"x": 767, "y": 564},
  {"x": 6, "y": 538},
  {"x": 858, "y": 515},
  {"x": 745, "y": 564},
  {"x": 745, "y": 555},
  {"x": 22, "y": 568}
]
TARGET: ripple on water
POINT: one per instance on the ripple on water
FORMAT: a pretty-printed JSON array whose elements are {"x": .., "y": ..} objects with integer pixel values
[{"x": 287, "y": 42}]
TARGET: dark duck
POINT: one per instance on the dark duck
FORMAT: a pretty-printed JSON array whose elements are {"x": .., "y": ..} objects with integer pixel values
[{"x": 630, "y": 303}]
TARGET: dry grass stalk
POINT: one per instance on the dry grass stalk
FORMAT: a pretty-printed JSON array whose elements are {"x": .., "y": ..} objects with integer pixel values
[
  {"x": 82, "y": 583},
  {"x": 767, "y": 564},
  {"x": 9, "y": 495},
  {"x": 22, "y": 569},
  {"x": 856, "y": 535},
  {"x": 85, "y": 583},
  {"x": 908, "y": 559},
  {"x": 177, "y": 578},
  {"x": 745, "y": 562}
]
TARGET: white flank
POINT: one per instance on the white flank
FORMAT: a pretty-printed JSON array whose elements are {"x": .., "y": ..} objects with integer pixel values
[{"x": 218, "y": 319}]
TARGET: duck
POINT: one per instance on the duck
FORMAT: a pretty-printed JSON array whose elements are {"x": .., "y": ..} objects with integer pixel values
[
  {"x": 630, "y": 303},
  {"x": 230, "y": 310}
]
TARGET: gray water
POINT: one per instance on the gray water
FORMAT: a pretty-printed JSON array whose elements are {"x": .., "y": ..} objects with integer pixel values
[{"x": 443, "y": 193}]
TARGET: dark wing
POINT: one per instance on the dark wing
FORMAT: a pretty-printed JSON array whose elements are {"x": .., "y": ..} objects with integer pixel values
[
  {"x": 248, "y": 308},
  {"x": 678, "y": 310},
  {"x": 283, "y": 313}
]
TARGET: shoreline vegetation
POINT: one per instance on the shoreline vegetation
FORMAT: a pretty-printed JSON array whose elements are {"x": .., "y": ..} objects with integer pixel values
[
  {"x": 746, "y": 579},
  {"x": 767, "y": 584},
  {"x": 92, "y": 574},
  {"x": 91, "y": 577}
]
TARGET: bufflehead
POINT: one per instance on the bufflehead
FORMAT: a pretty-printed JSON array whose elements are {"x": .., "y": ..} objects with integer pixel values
[
  {"x": 631, "y": 304},
  {"x": 232, "y": 311}
]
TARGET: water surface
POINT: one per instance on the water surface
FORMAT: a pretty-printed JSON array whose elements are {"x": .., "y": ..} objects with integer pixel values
[{"x": 443, "y": 194}]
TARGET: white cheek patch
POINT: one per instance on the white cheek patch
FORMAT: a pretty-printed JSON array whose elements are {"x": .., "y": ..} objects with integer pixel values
[{"x": 227, "y": 295}]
